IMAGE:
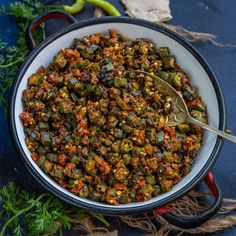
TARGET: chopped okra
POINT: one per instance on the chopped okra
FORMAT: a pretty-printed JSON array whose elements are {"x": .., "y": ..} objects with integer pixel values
[{"x": 99, "y": 129}]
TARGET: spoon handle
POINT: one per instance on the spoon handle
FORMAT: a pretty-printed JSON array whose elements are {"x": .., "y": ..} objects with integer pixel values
[{"x": 212, "y": 129}]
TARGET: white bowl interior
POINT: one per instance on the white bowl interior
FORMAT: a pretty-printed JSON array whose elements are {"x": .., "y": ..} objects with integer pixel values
[{"x": 185, "y": 59}]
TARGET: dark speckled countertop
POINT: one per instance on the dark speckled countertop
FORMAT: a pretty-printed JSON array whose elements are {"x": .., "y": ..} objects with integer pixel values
[{"x": 217, "y": 17}]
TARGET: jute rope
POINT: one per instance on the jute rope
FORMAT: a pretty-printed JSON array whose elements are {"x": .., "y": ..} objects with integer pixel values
[
  {"x": 191, "y": 204},
  {"x": 193, "y": 36}
]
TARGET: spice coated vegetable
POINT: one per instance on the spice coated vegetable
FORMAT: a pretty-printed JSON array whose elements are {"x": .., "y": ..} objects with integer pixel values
[{"x": 100, "y": 130}]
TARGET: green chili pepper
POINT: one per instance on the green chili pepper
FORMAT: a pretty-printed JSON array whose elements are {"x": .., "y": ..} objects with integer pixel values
[
  {"x": 75, "y": 8},
  {"x": 106, "y": 6}
]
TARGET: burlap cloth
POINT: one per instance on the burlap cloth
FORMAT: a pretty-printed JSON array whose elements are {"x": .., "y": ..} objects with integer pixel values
[{"x": 192, "y": 204}]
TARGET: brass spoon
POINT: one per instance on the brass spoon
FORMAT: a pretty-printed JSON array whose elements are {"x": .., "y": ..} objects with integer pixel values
[{"x": 181, "y": 114}]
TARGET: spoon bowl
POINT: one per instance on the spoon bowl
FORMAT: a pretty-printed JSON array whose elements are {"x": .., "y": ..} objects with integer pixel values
[{"x": 181, "y": 114}]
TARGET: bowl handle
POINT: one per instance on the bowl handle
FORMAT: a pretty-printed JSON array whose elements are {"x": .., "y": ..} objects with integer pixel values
[
  {"x": 43, "y": 18},
  {"x": 186, "y": 222}
]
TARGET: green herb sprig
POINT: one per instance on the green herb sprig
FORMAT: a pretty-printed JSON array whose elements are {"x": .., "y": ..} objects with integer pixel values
[
  {"x": 26, "y": 213},
  {"x": 12, "y": 57}
]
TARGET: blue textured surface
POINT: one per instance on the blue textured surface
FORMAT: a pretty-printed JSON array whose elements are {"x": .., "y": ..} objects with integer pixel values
[{"x": 217, "y": 17}]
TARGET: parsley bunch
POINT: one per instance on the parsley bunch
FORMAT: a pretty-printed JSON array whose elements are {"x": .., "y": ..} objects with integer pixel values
[
  {"x": 26, "y": 213},
  {"x": 12, "y": 56},
  {"x": 43, "y": 214}
]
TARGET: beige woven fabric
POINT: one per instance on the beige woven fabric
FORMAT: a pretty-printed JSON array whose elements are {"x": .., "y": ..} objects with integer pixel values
[{"x": 152, "y": 10}]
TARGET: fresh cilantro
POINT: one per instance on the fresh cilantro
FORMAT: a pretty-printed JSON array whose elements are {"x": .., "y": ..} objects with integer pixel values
[
  {"x": 24, "y": 212},
  {"x": 12, "y": 57}
]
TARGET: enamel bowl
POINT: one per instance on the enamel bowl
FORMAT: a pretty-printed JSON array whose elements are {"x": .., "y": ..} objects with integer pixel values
[{"x": 188, "y": 58}]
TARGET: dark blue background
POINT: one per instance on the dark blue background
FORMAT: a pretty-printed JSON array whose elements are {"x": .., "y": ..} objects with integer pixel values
[{"x": 217, "y": 17}]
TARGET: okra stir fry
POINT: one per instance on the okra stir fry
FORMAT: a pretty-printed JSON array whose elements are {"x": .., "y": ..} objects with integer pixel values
[{"x": 99, "y": 129}]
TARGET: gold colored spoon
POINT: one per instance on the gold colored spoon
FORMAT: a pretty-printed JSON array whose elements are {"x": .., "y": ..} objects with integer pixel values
[{"x": 181, "y": 114}]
